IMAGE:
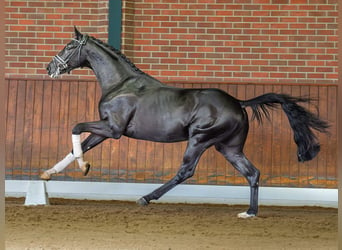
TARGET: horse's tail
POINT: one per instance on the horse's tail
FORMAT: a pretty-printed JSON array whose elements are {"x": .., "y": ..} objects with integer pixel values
[{"x": 301, "y": 120}]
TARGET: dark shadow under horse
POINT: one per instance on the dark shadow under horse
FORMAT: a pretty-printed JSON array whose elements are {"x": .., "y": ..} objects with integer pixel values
[{"x": 136, "y": 105}]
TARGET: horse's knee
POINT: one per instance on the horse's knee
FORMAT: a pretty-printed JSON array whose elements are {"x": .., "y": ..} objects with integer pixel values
[
  {"x": 253, "y": 179},
  {"x": 77, "y": 129}
]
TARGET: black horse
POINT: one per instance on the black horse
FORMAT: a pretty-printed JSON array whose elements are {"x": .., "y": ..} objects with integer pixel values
[{"x": 137, "y": 105}]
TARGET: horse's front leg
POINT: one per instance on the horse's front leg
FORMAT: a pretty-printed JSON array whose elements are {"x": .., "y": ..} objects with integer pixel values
[
  {"x": 100, "y": 128},
  {"x": 90, "y": 142}
]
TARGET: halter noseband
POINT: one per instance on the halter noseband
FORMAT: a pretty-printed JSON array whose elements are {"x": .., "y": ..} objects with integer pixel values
[{"x": 62, "y": 64}]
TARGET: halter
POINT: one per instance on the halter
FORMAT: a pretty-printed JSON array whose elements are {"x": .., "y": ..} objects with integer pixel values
[{"x": 62, "y": 64}]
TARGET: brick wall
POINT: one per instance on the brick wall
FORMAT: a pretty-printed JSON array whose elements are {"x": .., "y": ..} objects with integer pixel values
[
  {"x": 37, "y": 29},
  {"x": 237, "y": 40},
  {"x": 174, "y": 40}
]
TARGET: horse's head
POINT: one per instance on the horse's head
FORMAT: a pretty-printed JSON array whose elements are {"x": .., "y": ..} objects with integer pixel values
[{"x": 68, "y": 58}]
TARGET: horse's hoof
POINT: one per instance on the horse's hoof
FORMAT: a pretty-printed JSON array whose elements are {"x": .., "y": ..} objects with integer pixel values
[
  {"x": 45, "y": 176},
  {"x": 142, "y": 202},
  {"x": 245, "y": 215},
  {"x": 85, "y": 168}
]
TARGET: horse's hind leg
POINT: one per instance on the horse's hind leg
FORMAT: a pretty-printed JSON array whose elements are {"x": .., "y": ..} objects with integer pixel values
[
  {"x": 187, "y": 170},
  {"x": 237, "y": 158},
  {"x": 91, "y": 141}
]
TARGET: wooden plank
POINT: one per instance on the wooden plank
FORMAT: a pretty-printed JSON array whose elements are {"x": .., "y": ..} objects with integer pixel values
[
  {"x": 10, "y": 127},
  {"x": 37, "y": 128},
  {"x": 19, "y": 131},
  {"x": 167, "y": 162},
  {"x": 8, "y": 172},
  {"x": 313, "y": 171},
  {"x": 63, "y": 143},
  {"x": 132, "y": 149},
  {"x": 232, "y": 90},
  {"x": 286, "y": 141},
  {"x": 28, "y": 127},
  {"x": 331, "y": 142},
  {"x": 222, "y": 163},
  {"x": 46, "y": 125},
  {"x": 122, "y": 159},
  {"x": 206, "y": 170},
  {"x": 303, "y": 173},
  {"x": 54, "y": 123},
  {"x": 294, "y": 171},
  {"x": 73, "y": 168},
  {"x": 276, "y": 142},
  {"x": 258, "y": 131},
  {"x": 237, "y": 177}
]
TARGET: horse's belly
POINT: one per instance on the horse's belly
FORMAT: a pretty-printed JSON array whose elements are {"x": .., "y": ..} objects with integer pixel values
[{"x": 166, "y": 132}]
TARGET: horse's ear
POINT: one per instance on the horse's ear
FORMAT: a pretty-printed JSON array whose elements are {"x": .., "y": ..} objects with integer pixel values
[{"x": 78, "y": 34}]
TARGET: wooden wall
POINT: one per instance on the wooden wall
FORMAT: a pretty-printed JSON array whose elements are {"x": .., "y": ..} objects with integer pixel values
[{"x": 41, "y": 113}]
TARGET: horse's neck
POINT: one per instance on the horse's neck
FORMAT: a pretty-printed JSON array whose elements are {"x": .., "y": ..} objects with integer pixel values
[{"x": 111, "y": 73}]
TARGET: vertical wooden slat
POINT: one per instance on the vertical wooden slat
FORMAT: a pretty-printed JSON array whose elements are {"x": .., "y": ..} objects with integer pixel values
[
  {"x": 10, "y": 128},
  {"x": 19, "y": 130},
  {"x": 206, "y": 170},
  {"x": 122, "y": 159},
  {"x": 72, "y": 121},
  {"x": 267, "y": 138},
  {"x": 315, "y": 93},
  {"x": 167, "y": 162},
  {"x": 295, "y": 166},
  {"x": 37, "y": 127},
  {"x": 232, "y": 90},
  {"x": 238, "y": 179},
  {"x": 304, "y": 168},
  {"x": 100, "y": 156},
  {"x": 28, "y": 128},
  {"x": 46, "y": 125},
  {"x": 222, "y": 164},
  {"x": 54, "y": 123},
  {"x": 276, "y": 142},
  {"x": 132, "y": 159},
  {"x": 331, "y": 142},
  {"x": 63, "y": 143}
]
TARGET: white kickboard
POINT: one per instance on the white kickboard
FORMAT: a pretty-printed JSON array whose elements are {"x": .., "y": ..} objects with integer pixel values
[{"x": 36, "y": 194}]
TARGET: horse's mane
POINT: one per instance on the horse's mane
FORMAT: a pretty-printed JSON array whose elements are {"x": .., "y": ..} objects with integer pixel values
[{"x": 118, "y": 53}]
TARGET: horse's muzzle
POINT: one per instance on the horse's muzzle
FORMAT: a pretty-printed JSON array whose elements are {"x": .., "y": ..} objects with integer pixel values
[{"x": 53, "y": 70}]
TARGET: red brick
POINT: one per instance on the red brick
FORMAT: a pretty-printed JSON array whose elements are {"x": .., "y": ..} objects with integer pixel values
[
  {"x": 260, "y": 74},
  {"x": 18, "y": 3},
  {"x": 18, "y": 28},
  {"x": 299, "y": 1},
  {"x": 297, "y": 75},
  {"x": 279, "y": 75}
]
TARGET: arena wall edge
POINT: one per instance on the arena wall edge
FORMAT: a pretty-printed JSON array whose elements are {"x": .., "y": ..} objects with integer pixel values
[{"x": 185, "y": 193}]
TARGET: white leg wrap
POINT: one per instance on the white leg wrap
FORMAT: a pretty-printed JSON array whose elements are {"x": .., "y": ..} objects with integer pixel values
[
  {"x": 76, "y": 144},
  {"x": 60, "y": 166},
  {"x": 77, "y": 149}
]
